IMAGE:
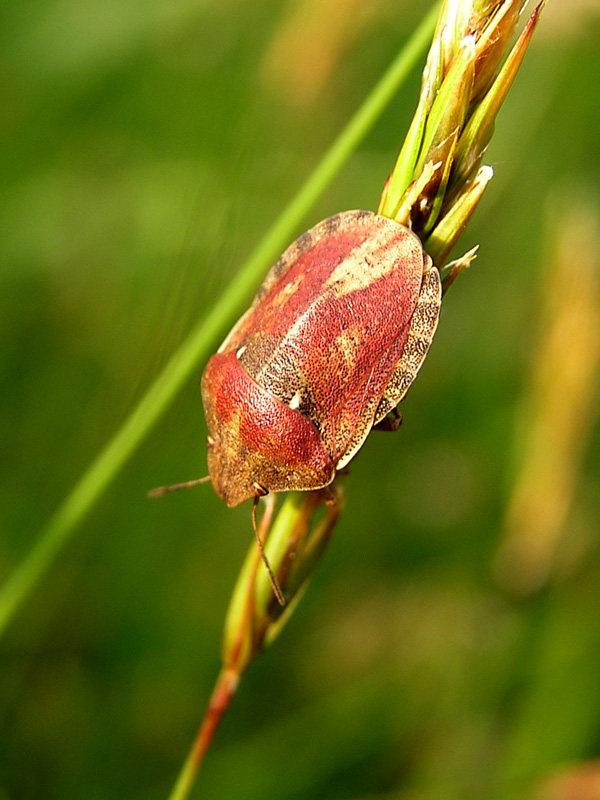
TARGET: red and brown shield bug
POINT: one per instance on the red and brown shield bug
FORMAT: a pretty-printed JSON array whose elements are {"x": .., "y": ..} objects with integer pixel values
[{"x": 330, "y": 345}]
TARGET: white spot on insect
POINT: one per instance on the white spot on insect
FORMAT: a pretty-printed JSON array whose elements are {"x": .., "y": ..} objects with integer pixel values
[
  {"x": 240, "y": 352},
  {"x": 294, "y": 403}
]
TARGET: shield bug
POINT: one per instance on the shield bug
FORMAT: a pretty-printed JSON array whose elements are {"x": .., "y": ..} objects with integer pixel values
[{"x": 329, "y": 347}]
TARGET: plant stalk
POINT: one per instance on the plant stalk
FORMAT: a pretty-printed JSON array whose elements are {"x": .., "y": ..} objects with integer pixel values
[{"x": 224, "y": 690}]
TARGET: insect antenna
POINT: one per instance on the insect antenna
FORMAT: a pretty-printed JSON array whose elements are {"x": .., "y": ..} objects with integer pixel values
[
  {"x": 176, "y": 486},
  {"x": 274, "y": 583}
]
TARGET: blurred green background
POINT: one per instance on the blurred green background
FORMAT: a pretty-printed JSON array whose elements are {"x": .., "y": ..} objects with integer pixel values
[{"x": 449, "y": 645}]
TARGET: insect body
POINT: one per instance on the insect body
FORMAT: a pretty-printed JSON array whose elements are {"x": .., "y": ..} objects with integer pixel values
[{"x": 331, "y": 344}]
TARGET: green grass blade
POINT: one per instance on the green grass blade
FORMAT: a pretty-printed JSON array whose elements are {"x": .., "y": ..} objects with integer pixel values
[{"x": 196, "y": 347}]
